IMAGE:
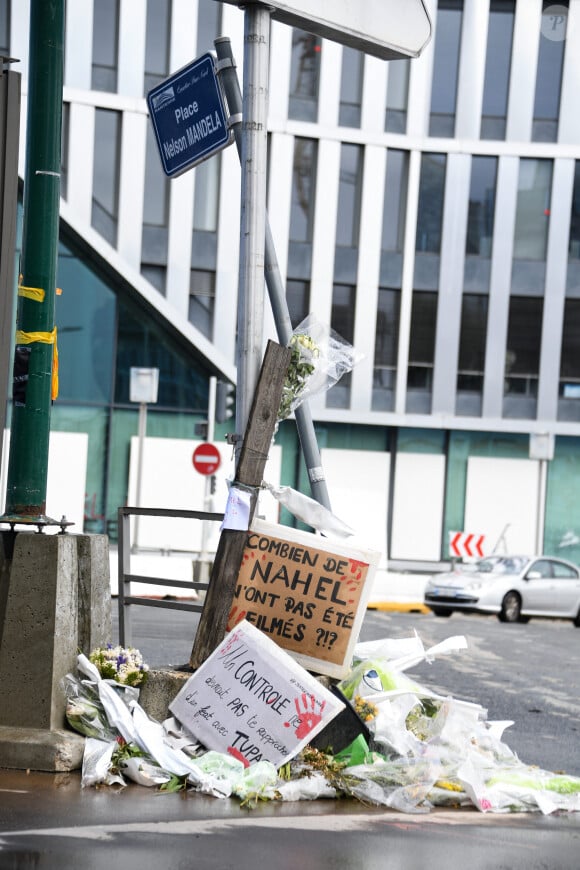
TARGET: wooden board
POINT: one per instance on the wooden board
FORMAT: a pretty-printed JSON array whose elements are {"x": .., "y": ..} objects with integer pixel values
[{"x": 308, "y": 593}]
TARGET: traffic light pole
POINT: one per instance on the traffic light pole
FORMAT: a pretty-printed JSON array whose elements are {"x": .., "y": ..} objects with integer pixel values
[
  {"x": 34, "y": 357},
  {"x": 304, "y": 423}
]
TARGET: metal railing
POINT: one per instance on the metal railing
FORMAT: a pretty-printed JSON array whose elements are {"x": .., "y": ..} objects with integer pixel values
[{"x": 126, "y": 578}]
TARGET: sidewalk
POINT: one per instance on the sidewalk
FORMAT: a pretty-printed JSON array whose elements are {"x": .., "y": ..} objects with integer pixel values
[{"x": 398, "y": 592}]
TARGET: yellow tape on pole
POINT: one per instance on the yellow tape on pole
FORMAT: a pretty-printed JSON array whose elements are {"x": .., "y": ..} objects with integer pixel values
[
  {"x": 44, "y": 338},
  {"x": 35, "y": 293}
]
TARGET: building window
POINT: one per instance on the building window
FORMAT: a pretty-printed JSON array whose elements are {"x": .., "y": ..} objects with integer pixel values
[
  {"x": 106, "y": 174},
  {"x": 574, "y": 246},
  {"x": 342, "y": 322},
  {"x": 85, "y": 314},
  {"x": 351, "y": 86},
  {"x": 395, "y": 200},
  {"x": 481, "y": 206},
  {"x": 304, "y": 76},
  {"x": 431, "y": 193},
  {"x": 445, "y": 68},
  {"x": 422, "y": 341},
  {"x": 472, "y": 343},
  {"x": 397, "y": 96},
  {"x": 201, "y": 300},
  {"x": 5, "y": 28},
  {"x": 155, "y": 217},
  {"x": 298, "y": 299},
  {"x": 105, "y": 45},
  {"x": 208, "y": 24},
  {"x": 549, "y": 73},
  {"x": 522, "y": 363},
  {"x": 157, "y": 42},
  {"x": 206, "y": 197},
  {"x": 303, "y": 189},
  {"x": 497, "y": 69},
  {"x": 386, "y": 349},
  {"x": 533, "y": 209},
  {"x": 156, "y": 199},
  {"x": 349, "y": 196},
  {"x": 143, "y": 342},
  {"x": 569, "y": 357}
]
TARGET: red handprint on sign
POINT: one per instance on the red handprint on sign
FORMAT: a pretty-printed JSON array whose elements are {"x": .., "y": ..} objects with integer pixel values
[{"x": 308, "y": 717}]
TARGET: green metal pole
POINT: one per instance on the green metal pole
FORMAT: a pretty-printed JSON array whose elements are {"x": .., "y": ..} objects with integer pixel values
[{"x": 35, "y": 335}]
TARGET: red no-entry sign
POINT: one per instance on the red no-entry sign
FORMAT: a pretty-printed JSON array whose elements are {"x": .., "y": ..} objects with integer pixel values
[{"x": 206, "y": 459}]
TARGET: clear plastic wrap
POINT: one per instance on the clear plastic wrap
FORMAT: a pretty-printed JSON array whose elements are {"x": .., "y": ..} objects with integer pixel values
[
  {"x": 309, "y": 511},
  {"x": 320, "y": 357},
  {"x": 84, "y": 711}
]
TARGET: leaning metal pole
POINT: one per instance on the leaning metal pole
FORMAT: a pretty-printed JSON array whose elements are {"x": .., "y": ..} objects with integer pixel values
[
  {"x": 304, "y": 424},
  {"x": 35, "y": 343}
]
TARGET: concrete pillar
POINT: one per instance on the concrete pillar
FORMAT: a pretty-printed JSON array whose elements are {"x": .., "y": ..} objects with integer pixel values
[
  {"x": 40, "y": 635},
  {"x": 94, "y": 592}
]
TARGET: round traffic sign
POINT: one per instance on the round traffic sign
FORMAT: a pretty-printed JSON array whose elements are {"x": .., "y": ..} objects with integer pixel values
[{"x": 206, "y": 458}]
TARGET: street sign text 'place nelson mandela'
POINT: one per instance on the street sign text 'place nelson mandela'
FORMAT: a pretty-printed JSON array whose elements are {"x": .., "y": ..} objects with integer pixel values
[{"x": 188, "y": 115}]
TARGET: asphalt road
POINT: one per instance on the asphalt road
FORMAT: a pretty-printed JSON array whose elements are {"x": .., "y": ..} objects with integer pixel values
[{"x": 525, "y": 673}]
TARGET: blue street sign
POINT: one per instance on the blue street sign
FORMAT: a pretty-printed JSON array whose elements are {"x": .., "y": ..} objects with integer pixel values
[{"x": 188, "y": 115}]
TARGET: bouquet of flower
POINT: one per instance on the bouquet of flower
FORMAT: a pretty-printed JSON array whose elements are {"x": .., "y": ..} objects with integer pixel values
[
  {"x": 320, "y": 357},
  {"x": 84, "y": 711},
  {"x": 125, "y": 666},
  {"x": 304, "y": 352}
]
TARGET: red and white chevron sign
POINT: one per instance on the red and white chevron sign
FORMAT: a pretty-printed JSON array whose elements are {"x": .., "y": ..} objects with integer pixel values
[{"x": 466, "y": 544}]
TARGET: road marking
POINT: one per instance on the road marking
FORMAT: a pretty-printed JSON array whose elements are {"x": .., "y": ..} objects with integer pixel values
[{"x": 331, "y": 823}]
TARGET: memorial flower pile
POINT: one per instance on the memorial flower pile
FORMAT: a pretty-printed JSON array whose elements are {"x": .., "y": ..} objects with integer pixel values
[{"x": 425, "y": 750}]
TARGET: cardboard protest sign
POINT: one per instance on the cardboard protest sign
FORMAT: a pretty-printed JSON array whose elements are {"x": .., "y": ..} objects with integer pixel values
[
  {"x": 252, "y": 700},
  {"x": 306, "y": 592}
]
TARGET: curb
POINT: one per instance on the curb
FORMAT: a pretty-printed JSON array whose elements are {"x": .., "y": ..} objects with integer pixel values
[{"x": 398, "y": 606}]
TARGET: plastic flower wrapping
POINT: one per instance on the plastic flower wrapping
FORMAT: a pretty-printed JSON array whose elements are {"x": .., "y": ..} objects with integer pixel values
[{"x": 425, "y": 750}]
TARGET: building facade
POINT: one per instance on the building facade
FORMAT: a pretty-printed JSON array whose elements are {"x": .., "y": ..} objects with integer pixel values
[{"x": 427, "y": 209}]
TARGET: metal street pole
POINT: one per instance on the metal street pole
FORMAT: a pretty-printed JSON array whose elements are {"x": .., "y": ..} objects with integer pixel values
[
  {"x": 201, "y": 567},
  {"x": 34, "y": 363},
  {"x": 253, "y": 209},
  {"x": 304, "y": 423},
  {"x": 9, "y": 134}
]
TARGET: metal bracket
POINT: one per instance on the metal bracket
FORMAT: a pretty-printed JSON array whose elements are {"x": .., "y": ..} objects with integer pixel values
[{"x": 39, "y": 521}]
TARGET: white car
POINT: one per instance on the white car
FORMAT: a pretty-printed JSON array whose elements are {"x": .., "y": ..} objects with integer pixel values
[{"x": 513, "y": 587}]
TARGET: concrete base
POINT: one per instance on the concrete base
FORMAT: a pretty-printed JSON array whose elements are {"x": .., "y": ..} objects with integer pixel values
[
  {"x": 54, "y": 600},
  {"x": 159, "y": 691},
  {"x": 39, "y": 749}
]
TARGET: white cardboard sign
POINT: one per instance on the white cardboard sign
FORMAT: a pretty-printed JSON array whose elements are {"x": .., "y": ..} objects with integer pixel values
[{"x": 252, "y": 700}]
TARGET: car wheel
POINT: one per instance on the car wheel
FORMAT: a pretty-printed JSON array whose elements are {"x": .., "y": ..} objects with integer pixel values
[
  {"x": 577, "y": 620},
  {"x": 510, "y": 608},
  {"x": 438, "y": 611}
]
